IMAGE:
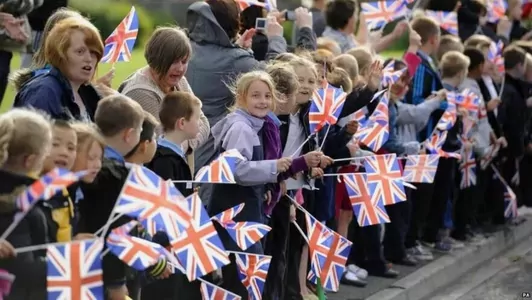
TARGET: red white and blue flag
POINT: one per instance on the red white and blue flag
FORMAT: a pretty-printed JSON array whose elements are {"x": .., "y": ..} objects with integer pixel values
[
  {"x": 421, "y": 168},
  {"x": 243, "y": 4},
  {"x": 253, "y": 269},
  {"x": 380, "y": 13},
  {"x": 467, "y": 169},
  {"x": 448, "y": 119},
  {"x": 221, "y": 170},
  {"x": 210, "y": 291},
  {"x": 510, "y": 203},
  {"x": 74, "y": 271},
  {"x": 199, "y": 248},
  {"x": 155, "y": 202},
  {"x": 245, "y": 234},
  {"x": 383, "y": 171},
  {"x": 390, "y": 76},
  {"x": 488, "y": 157},
  {"x": 227, "y": 216},
  {"x": 366, "y": 211},
  {"x": 374, "y": 132},
  {"x": 447, "y": 20},
  {"x": 334, "y": 267},
  {"x": 435, "y": 143},
  {"x": 326, "y": 106},
  {"x": 137, "y": 253},
  {"x": 496, "y": 10},
  {"x": 46, "y": 187},
  {"x": 319, "y": 243},
  {"x": 119, "y": 45},
  {"x": 467, "y": 100},
  {"x": 495, "y": 51}
]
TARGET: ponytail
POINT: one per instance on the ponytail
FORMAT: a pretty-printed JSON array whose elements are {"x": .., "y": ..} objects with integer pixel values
[{"x": 7, "y": 127}]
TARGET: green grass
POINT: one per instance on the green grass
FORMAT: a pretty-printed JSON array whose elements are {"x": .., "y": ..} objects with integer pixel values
[{"x": 123, "y": 70}]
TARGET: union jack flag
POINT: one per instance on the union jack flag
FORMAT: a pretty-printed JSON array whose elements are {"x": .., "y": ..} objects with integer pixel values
[
  {"x": 360, "y": 115},
  {"x": 245, "y": 234},
  {"x": 46, "y": 187},
  {"x": 210, "y": 291},
  {"x": 366, "y": 211},
  {"x": 495, "y": 50},
  {"x": 421, "y": 168},
  {"x": 157, "y": 203},
  {"x": 468, "y": 169},
  {"x": 389, "y": 75},
  {"x": 135, "y": 252},
  {"x": 374, "y": 132},
  {"x": 319, "y": 242},
  {"x": 199, "y": 248},
  {"x": 253, "y": 269},
  {"x": 448, "y": 118},
  {"x": 74, "y": 271},
  {"x": 243, "y": 4},
  {"x": 334, "y": 267},
  {"x": 467, "y": 100},
  {"x": 221, "y": 170},
  {"x": 326, "y": 106},
  {"x": 383, "y": 170},
  {"x": 226, "y": 217},
  {"x": 378, "y": 14},
  {"x": 436, "y": 141},
  {"x": 119, "y": 45},
  {"x": 496, "y": 10},
  {"x": 447, "y": 20},
  {"x": 510, "y": 203},
  {"x": 488, "y": 157}
]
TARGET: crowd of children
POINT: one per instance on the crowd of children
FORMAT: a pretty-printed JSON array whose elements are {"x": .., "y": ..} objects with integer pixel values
[{"x": 285, "y": 165}]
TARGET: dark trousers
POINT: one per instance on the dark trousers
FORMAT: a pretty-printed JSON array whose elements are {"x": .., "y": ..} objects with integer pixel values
[
  {"x": 463, "y": 209},
  {"x": 367, "y": 250},
  {"x": 292, "y": 289},
  {"x": 421, "y": 199},
  {"x": 526, "y": 179},
  {"x": 396, "y": 230},
  {"x": 481, "y": 196},
  {"x": 443, "y": 185},
  {"x": 277, "y": 246},
  {"x": 5, "y": 61}
]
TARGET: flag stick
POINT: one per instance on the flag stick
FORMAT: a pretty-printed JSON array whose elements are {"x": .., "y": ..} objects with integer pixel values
[
  {"x": 301, "y": 231},
  {"x": 44, "y": 246},
  {"x": 325, "y": 136},
  {"x": 301, "y": 146}
]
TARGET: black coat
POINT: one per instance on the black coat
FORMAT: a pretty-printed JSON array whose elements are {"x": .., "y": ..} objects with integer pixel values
[{"x": 170, "y": 165}]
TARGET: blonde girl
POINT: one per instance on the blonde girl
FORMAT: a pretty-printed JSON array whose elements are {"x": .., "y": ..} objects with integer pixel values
[
  {"x": 89, "y": 150},
  {"x": 25, "y": 140}
]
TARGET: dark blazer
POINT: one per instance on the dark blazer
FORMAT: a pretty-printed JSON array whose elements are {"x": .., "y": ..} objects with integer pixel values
[
  {"x": 492, "y": 119},
  {"x": 170, "y": 165}
]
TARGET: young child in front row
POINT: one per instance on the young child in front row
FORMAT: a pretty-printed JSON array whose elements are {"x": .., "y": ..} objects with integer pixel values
[
  {"x": 119, "y": 120},
  {"x": 25, "y": 141}
]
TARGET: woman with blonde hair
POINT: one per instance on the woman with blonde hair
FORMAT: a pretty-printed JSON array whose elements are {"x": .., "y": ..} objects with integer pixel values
[{"x": 73, "y": 49}]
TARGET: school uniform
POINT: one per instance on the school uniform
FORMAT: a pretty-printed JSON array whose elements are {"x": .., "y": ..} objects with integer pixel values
[
  {"x": 96, "y": 208},
  {"x": 170, "y": 163},
  {"x": 60, "y": 216},
  {"x": 29, "y": 268}
]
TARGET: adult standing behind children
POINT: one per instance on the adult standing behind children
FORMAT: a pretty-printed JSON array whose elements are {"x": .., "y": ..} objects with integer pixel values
[
  {"x": 167, "y": 53},
  {"x": 73, "y": 50}
]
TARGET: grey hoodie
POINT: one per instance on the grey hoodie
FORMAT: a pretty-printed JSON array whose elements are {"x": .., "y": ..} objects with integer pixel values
[
  {"x": 482, "y": 129},
  {"x": 413, "y": 118}
]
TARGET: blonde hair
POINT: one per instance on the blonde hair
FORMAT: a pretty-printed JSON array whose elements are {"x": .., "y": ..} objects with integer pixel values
[
  {"x": 243, "y": 83},
  {"x": 329, "y": 45},
  {"x": 87, "y": 135},
  {"x": 364, "y": 58},
  {"x": 23, "y": 132},
  {"x": 449, "y": 43},
  {"x": 348, "y": 63},
  {"x": 453, "y": 63},
  {"x": 58, "y": 42},
  {"x": 284, "y": 78},
  {"x": 478, "y": 41},
  {"x": 340, "y": 78},
  {"x": 286, "y": 57},
  {"x": 59, "y": 15},
  {"x": 426, "y": 28},
  {"x": 304, "y": 63}
]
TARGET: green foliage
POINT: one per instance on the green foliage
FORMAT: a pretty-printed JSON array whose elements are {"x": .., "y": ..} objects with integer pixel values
[{"x": 106, "y": 15}]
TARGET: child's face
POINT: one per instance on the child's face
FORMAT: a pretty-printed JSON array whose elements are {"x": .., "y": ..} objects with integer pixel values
[
  {"x": 399, "y": 89},
  {"x": 89, "y": 159},
  {"x": 259, "y": 99},
  {"x": 483, "y": 20},
  {"x": 307, "y": 84},
  {"x": 63, "y": 151},
  {"x": 435, "y": 42},
  {"x": 191, "y": 126},
  {"x": 516, "y": 11}
]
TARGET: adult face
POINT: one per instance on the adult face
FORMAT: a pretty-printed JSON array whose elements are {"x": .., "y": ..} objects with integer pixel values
[{"x": 81, "y": 61}]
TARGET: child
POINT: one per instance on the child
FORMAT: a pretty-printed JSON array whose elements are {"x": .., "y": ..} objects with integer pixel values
[
  {"x": 120, "y": 122},
  {"x": 449, "y": 43},
  {"x": 349, "y": 64},
  {"x": 59, "y": 210},
  {"x": 144, "y": 151},
  {"x": 242, "y": 130},
  {"x": 25, "y": 140}
]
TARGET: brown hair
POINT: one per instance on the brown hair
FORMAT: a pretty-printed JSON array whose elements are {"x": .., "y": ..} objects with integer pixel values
[
  {"x": 449, "y": 43},
  {"x": 116, "y": 113},
  {"x": 513, "y": 56},
  {"x": 426, "y": 28},
  {"x": 87, "y": 135},
  {"x": 166, "y": 46},
  {"x": 348, "y": 63},
  {"x": 284, "y": 78},
  {"x": 286, "y": 57},
  {"x": 453, "y": 63},
  {"x": 58, "y": 42},
  {"x": 23, "y": 131},
  {"x": 227, "y": 13},
  {"x": 328, "y": 44},
  {"x": 177, "y": 105},
  {"x": 364, "y": 58}
]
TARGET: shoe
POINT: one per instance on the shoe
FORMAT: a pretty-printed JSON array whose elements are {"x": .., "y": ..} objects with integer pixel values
[
  {"x": 476, "y": 239},
  {"x": 351, "y": 279},
  {"x": 442, "y": 247},
  {"x": 455, "y": 244},
  {"x": 387, "y": 273},
  {"x": 359, "y": 272},
  {"x": 408, "y": 261},
  {"x": 420, "y": 253}
]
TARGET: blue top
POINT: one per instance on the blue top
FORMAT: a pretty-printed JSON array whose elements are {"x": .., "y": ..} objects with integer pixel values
[
  {"x": 172, "y": 146},
  {"x": 111, "y": 153}
]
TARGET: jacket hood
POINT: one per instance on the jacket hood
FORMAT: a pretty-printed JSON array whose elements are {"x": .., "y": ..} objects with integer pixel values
[
  {"x": 203, "y": 26},
  {"x": 21, "y": 77},
  {"x": 220, "y": 130}
]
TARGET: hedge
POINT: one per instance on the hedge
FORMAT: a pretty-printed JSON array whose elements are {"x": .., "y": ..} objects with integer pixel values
[{"x": 106, "y": 16}]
